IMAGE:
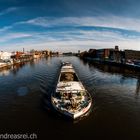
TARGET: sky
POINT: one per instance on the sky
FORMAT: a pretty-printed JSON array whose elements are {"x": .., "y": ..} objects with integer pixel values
[{"x": 69, "y": 25}]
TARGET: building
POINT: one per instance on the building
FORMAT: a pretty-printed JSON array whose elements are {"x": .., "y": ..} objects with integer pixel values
[
  {"x": 109, "y": 54},
  {"x": 116, "y": 48},
  {"x": 132, "y": 55},
  {"x": 92, "y": 53},
  {"x": 84, "y": 54},
  {"x": 5, "y": 55},
  {"x": 116, "y": 55},
  {"x": 103, "y": 53},
  {"x": 68, "y": 53},
  {"x": 46, "y": 53}
]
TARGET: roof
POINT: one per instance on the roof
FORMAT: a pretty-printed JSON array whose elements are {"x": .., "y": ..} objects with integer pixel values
[
  {"x": 5, "y": 54},
  {"x": 67, "y": 69},
  {"x": 70, "y": 86}
]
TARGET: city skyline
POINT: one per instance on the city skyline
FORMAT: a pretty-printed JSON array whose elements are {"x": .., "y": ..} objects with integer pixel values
[{"x": 69, "y": 25}]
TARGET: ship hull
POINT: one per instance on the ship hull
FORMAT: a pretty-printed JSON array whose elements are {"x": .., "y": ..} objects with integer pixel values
[
  {"x": 70, "y": 97},
  {"x": 77, "y": 115}
]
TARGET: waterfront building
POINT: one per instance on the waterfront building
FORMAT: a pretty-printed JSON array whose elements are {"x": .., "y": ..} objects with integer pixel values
[
  {"x": 83, "y": 54},
  {"x": 111, "y": 54},
  {"x": 46, "y": 53},
  {"x": 92, "y": 53},
  {"x": 5, "y": 55},
  {"x": 116, "y": 55},
  {"x": 132, "y": 55},
  {"x": 101, "y": 53},
  {"x": 116, "y": 48},
  {"x": 21, "y": 57},
  {"x": 68, "y": 53}
]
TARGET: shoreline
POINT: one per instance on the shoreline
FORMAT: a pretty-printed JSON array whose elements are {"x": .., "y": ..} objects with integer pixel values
[
  {"x": 9, "y": 65},
  {"x": 112, "y": 63}
]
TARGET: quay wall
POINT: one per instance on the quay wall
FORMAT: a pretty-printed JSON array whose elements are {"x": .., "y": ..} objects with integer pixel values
[
  {"x": 111, "y": 63},
  {"x": 8, "y": 65}
]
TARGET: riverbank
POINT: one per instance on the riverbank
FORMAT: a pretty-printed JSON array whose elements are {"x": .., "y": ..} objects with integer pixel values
[
  {"x": 5, "y": 65},
  {"x": 113, "y": 63}
]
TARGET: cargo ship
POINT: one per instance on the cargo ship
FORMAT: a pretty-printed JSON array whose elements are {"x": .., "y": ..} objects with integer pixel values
[{"x": 70, "y": 98}]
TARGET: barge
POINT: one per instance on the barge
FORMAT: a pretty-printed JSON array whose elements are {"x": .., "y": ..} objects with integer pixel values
[{"x": 70, "y": 97}]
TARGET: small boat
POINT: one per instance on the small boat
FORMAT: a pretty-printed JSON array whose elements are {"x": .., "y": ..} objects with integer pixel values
[{"x": 70, "y": 97}]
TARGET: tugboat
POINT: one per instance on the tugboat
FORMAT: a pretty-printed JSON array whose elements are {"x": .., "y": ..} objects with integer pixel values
[{"x": 70, "y": 97}]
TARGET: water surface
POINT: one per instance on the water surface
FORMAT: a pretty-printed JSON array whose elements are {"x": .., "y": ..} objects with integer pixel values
[{"x": 25, "y": 90}]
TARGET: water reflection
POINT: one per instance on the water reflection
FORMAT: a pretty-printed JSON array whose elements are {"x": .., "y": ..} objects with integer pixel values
[
  {"x": 122, "y": 80},
  {"x": 138, "y": 86},
  {"x": 16, "y": 67},
  {"x": 22, "y": 91},
  {"x": 126, "y": 75},
  {"x": 32, "y": 63},
  {"x": 115, "y": 95},
  {"x": 4, "y": 72},
  {"x": 112, "y": 69}
]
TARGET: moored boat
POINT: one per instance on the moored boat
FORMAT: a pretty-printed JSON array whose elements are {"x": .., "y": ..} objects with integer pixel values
[{"x": 70, "y": 97}]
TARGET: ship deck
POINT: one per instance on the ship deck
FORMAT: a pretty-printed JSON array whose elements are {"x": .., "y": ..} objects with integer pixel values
[{"x": 70, "y": 95}]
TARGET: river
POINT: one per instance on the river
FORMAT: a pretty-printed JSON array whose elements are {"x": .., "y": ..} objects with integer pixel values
[{"x": 25, "y": 88}]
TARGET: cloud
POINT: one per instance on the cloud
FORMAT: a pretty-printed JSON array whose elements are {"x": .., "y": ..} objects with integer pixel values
[
  {"x": 5, "y": 28},
  {"x": 74, "y": 45},
  {"x": 71, "y": 41},
  {"x": 106, "y": 21},
  {"x": 72, "y": 33},
  {"x": 11, "y": 36},
  {"x": 113, "y": 23},
  {"x": 8, "y": 10}
]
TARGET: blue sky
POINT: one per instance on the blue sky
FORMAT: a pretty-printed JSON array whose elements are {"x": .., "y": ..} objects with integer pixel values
[{"x": 69, "y": 25}]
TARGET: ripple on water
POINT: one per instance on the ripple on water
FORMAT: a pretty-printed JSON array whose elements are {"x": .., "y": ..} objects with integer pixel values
[
  {"x": 115, "y": 97},
  {"x": 22, "y": 91}
]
